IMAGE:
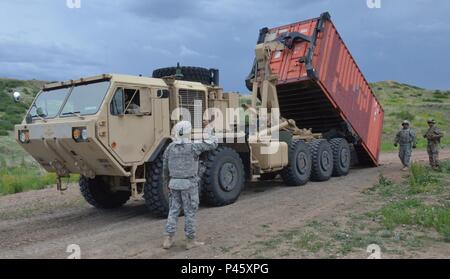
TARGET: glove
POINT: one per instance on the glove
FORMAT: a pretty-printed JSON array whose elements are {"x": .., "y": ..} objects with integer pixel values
[
  {"x": 395, "y": 144},
  {"x": 414, "y": 146}
]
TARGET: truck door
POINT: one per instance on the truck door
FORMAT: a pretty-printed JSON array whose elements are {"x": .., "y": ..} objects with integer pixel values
[{"x": 132, "y": 123}]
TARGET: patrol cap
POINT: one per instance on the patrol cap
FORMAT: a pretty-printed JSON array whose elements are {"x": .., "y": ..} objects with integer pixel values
[
  {"x": 431, "y": 121},
  {"x": 405, "y": 122}
]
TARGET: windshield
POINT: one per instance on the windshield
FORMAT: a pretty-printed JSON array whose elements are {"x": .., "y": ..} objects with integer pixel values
[
  {"x": 85, "y": 99},
  {"x": 48, "y": 103}
]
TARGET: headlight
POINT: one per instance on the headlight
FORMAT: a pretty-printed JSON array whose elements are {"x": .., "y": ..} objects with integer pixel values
[
  {"x": 24, "y": 136},
  {"x": 80, "y": 134}
]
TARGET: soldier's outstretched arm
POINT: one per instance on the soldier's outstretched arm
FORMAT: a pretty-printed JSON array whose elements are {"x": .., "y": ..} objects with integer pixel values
[{"x": 209, "y": 143}]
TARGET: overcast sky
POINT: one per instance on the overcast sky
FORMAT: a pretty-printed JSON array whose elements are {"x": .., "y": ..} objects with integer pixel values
[{"x": 404, "y": 40}]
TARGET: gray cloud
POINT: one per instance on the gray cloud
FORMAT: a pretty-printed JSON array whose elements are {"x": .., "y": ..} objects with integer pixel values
[{"x": 46, "y": 40}]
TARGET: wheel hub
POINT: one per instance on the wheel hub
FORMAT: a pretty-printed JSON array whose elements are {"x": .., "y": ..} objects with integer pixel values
[
  {"x": 344, "y": 157},
  {"x": 325, "y": 162},
  {"x": 302, "y": 163},
  {"x": 228, "y": 176}
]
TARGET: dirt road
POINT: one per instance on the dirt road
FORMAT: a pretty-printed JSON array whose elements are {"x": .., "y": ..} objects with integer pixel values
[{"x": 41, "y": 224}]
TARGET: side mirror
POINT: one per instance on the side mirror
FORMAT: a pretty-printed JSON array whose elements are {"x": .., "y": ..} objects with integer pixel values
[{"x": 16, "y": 96}]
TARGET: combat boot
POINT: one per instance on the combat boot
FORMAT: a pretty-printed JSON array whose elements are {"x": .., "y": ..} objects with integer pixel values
[
  {"x": 168, "y": 242},
  {"x": 192, "y": 243}
]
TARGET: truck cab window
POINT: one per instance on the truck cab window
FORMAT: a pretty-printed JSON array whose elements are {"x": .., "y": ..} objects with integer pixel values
[
  {"x": 117, "y": 103},
  {"x": 162, "y": 93},
  {"x": 132, "y": 101},
  {"x": 125, "y": 101}
]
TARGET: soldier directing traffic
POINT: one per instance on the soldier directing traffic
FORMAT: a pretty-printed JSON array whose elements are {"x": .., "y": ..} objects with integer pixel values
[
  {"x": 433, "y": 136},
  {"x": 406, "y": 138},
  {"x": 181, "y": 174}
]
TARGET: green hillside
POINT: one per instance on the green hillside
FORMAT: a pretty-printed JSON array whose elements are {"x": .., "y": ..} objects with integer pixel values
[
  {"x": 11, "y": 113},
  {"x": 406, "y": 102},
  {"x": 18, "y": 171}
]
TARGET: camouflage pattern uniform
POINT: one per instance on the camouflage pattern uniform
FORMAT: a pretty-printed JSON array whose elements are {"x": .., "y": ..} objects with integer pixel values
[
  {"x": 433, "y": 135},
  {"x": 406, "y": 138},
  {"x": 181, "y": 168}
]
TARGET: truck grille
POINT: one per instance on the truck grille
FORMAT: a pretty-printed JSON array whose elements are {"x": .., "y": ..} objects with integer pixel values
[{"x": 194, "y": 101}]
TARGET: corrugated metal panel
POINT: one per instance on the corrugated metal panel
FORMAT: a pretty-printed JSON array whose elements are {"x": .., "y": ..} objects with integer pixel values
[{"x": 343, "y": 94}]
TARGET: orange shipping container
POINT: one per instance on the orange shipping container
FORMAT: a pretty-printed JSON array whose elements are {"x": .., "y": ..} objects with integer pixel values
[{"x": 321, "y": 86}]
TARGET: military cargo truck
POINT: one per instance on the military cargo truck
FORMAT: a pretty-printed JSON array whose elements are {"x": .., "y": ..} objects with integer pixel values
[{"x": 113, "y": 129}]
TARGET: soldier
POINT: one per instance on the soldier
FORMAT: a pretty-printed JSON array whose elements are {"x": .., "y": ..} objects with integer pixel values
[
  {"x": 181, "y": 172},
  {"x": 406, "y": 137},
  {"x": 130, "y": 105},
  {"x": 433, "y": 135}
]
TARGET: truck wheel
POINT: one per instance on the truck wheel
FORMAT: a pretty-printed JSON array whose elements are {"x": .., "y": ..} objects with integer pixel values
[
  {"x": 341, "y": 155},
  {"x": 223, "y": 178},
  {"x": 298, "y": 170},
  {"x": 98, "y": 193},
  {"x": 322, "y": 160},
  {"x": 268, "y": 176},
  {"x": 198, "y": 74},
  {"x": 156, "y": 194}
]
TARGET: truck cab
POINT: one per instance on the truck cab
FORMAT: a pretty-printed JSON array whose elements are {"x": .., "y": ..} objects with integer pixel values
[{"x": 110, "y": 128}]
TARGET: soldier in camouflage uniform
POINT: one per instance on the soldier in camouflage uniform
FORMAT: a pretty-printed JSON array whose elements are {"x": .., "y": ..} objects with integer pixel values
[
  {"x": 433, "y": 135},
  {"x": 406, "y": 138},
  {"x": 181, "y": 172}
]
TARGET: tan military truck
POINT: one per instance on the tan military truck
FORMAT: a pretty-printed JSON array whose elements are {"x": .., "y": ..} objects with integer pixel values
[{"x": 112, "y": 129}]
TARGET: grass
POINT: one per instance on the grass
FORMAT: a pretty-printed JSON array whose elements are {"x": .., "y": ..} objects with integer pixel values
[
  {"x": 414, "y": 212},
  {"x": 19, "y": 172},
  {"x": 306, "y": 239},
  {"x": 420, "y": 203},
  {"x": 25, "y": 178},
  {"x": 445, "y": 167},
  {"x": 385, "y": 187},
  {"x": 421, "y": 179},
  {"x": 401, "y": 217},
  {"x": 19, "y": 179}
]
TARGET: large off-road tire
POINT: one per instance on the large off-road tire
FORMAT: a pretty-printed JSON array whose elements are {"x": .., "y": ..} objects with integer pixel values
[
  {"x": 322, "y": 160},
  {"x": 223, "y": 178},
  {"x": 97, "y": 192},
  {"x": 156, "y": 194},
  {"x": 298, "y": 170},
  {"x": 268, "y": 176},
  {"x": 198, "y": 74},
  {"x": 341, "y": 155}
]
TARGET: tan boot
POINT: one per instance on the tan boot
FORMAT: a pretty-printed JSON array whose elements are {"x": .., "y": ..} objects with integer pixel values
[
  {"x": 168, "y": 242},
  {"x": 405, "y": 169},
  {"x": 192, "y": 243}
]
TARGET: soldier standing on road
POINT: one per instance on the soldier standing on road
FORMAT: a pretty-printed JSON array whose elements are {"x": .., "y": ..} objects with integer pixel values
[
  {"x": 181, "y": 174},
  {"x": 406, "y": 137},
  {"x": 433, "y": 135}
]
